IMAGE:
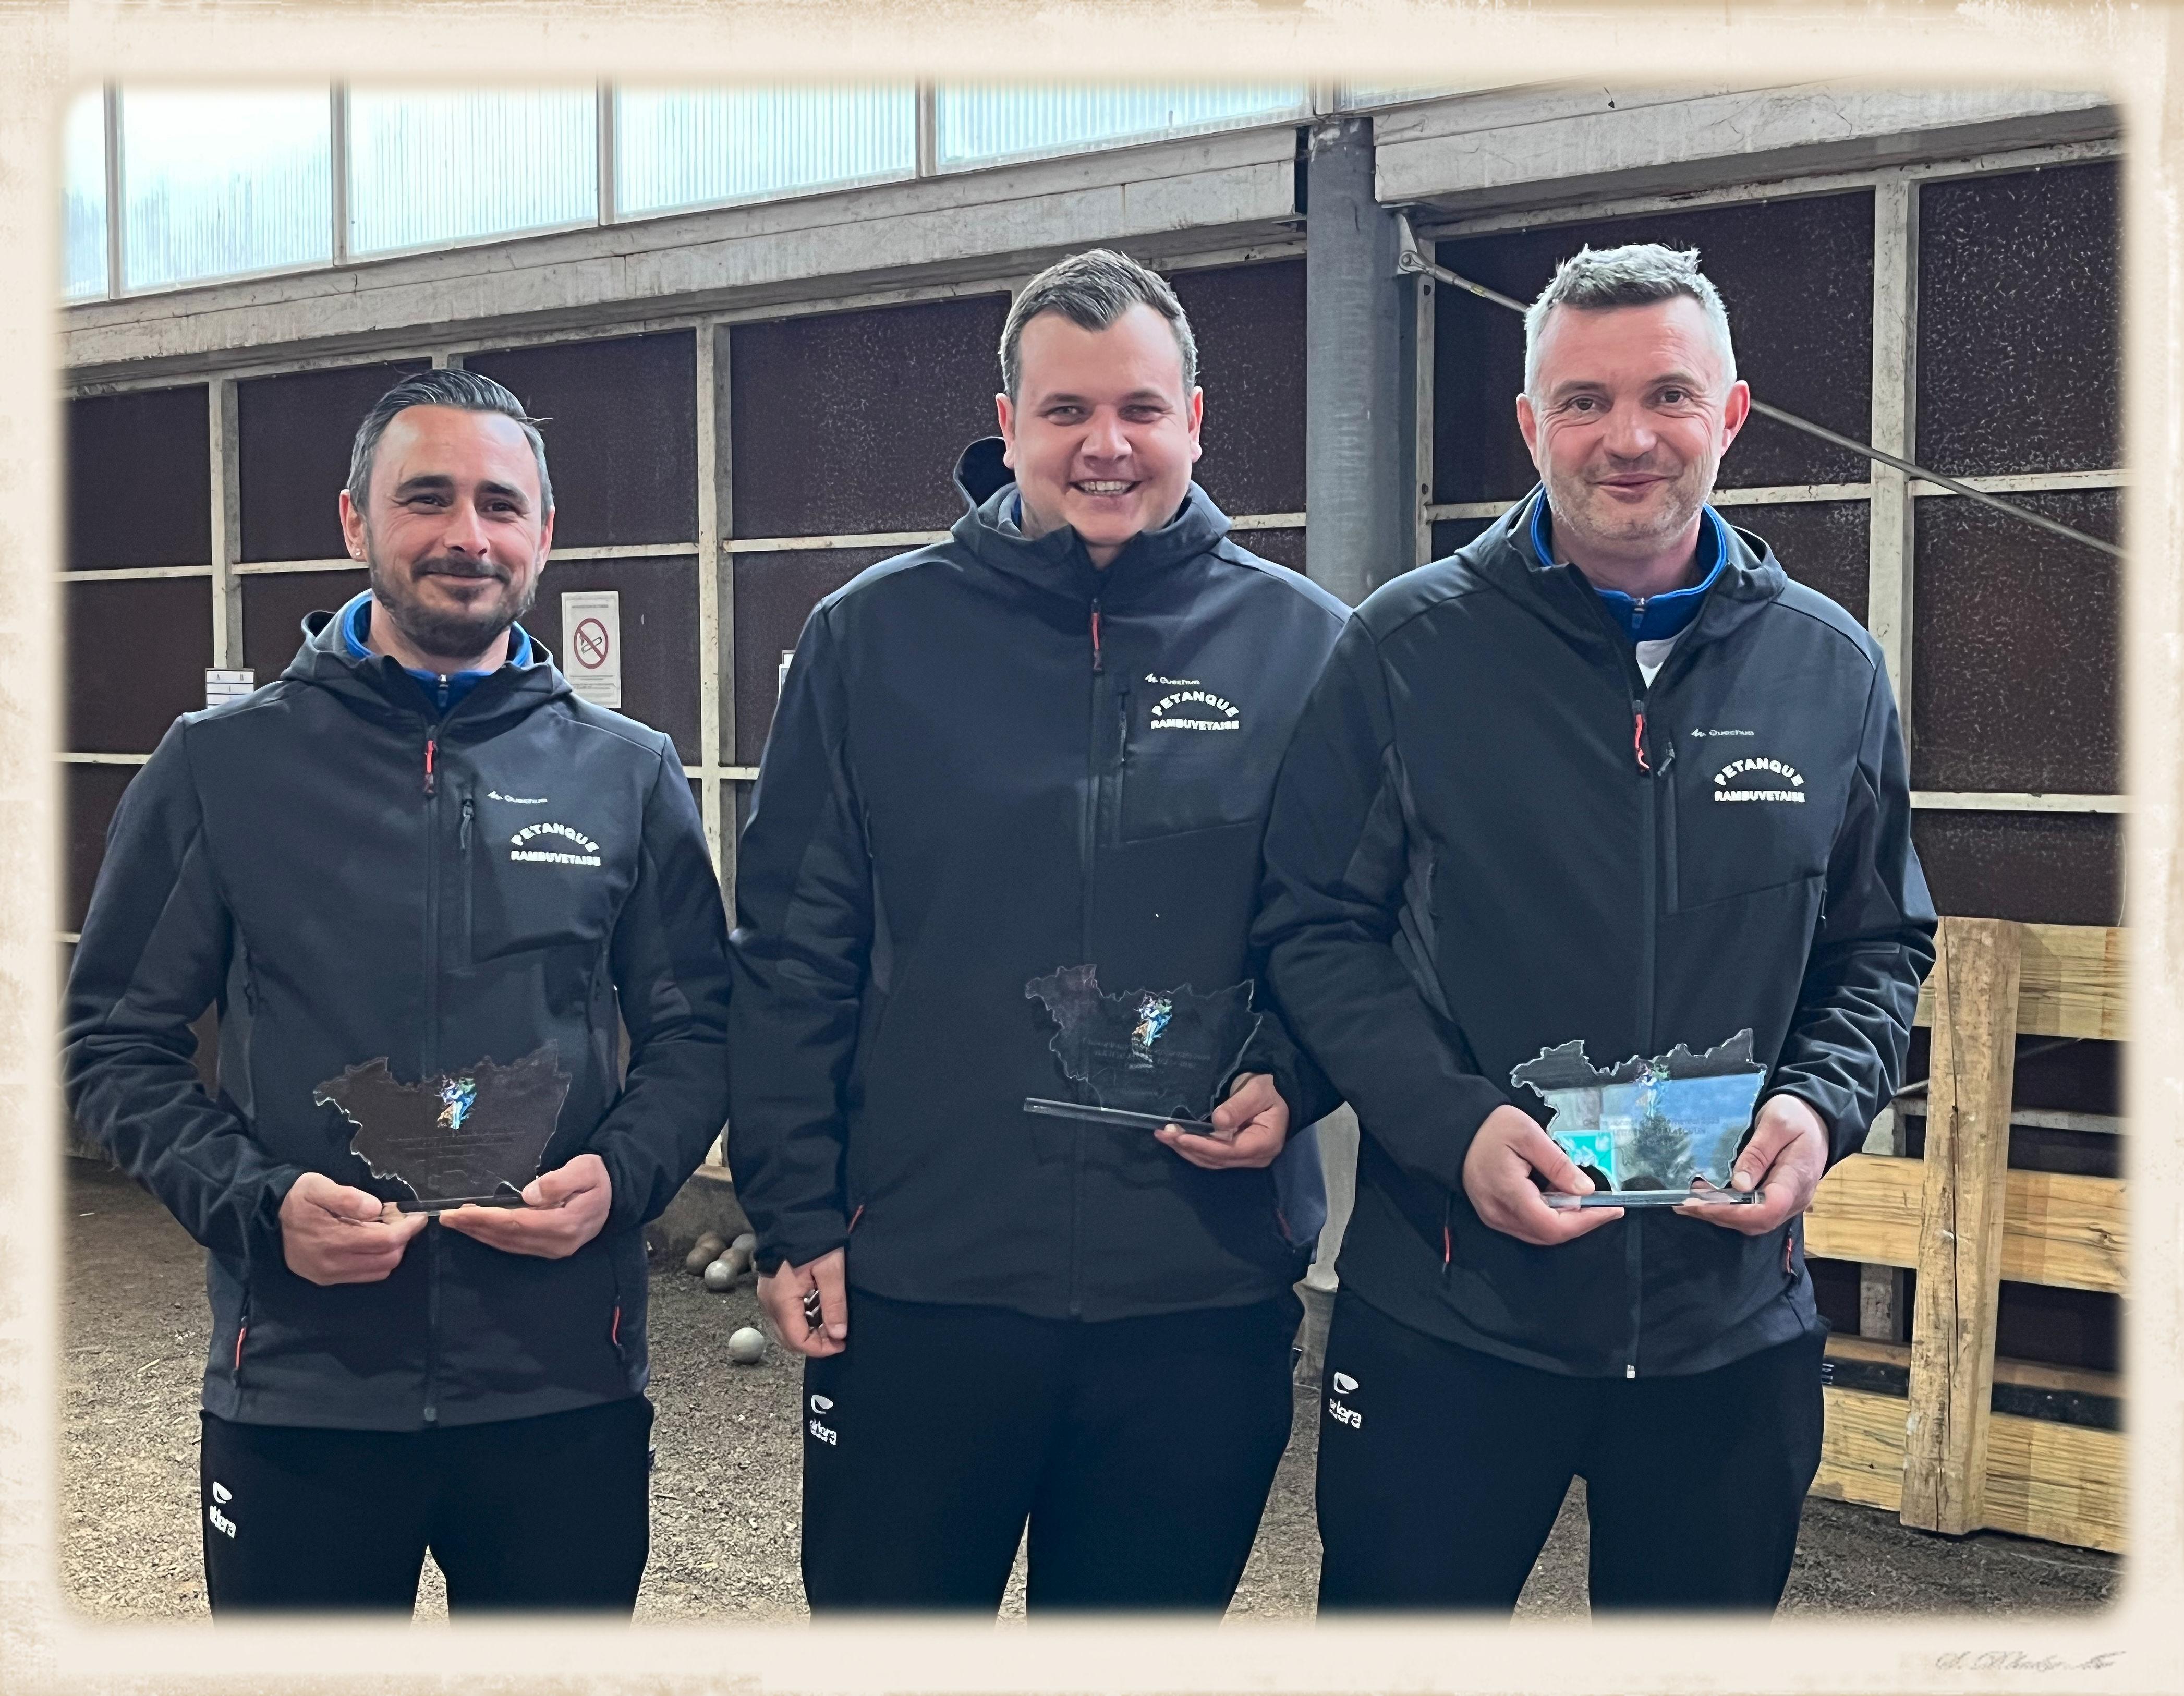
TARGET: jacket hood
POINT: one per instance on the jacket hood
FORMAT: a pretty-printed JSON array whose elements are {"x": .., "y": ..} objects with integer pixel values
[
  {"x": 378, "y": 688},
  {"x": 1503, "y": 555},
  {"x": 1056, "y": 563}
]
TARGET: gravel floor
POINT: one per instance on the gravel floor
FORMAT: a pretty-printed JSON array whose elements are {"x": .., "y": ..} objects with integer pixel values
[{"x": 724, "y": 1500}]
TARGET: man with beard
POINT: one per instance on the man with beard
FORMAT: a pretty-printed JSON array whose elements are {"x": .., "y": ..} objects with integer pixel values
[
  {"x": 1607, "y": 776},
  {"x": 417, "y": 856}
]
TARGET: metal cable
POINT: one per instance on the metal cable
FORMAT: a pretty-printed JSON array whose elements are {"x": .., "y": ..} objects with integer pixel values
[{"x": 1412, "y": 262}]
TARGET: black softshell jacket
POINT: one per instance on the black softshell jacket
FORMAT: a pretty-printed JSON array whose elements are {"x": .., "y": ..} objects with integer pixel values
[
  {"x": 287, "y": 857},
  {"x": 1491, "y": 838},
  {"x": 966, "y": 786}
]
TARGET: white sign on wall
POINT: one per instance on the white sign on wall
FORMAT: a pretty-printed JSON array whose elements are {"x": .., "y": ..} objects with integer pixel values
[
  {"x": 226, "y": 685},
  {"x": 591, "y": 645}
]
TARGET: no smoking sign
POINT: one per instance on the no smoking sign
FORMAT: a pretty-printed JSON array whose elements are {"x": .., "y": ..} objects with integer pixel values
[{"x": 591, "y": 625}]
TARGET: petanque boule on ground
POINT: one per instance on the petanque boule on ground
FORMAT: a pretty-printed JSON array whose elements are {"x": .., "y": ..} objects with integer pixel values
[
  {"x": 748, "y": 1242},
  {"x": 721, "y": 1275},
  {"x": 747, "y": 1347}
]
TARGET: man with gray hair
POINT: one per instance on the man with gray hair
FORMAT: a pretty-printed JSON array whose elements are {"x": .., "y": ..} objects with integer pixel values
[
  {"x": 1038, "y": 751},
  {"x": 1603, "y": 808},
  {"x": 415, "y": 865}
]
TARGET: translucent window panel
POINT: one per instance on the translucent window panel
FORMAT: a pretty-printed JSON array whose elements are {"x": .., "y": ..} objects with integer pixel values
[
  {"x": 1361, "y": 97},
  {"x": 2016, "y": 640},
  {"x": 218, "y": 182},
  {"x": 83, "y": 197},
  {"x": 1797, "y": 276},
  {"x": 982, "y": 126},
  {"x": 2021, "y": 322},
  {"x": 427, "y": 170},
  {"x": 1249, "y": 324},
  {"x": 682, "y": 147}
]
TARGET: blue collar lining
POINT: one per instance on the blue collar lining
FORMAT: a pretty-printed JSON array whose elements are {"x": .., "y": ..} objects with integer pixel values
[
  {"x": 442, "y": 693},
  {"x": 1660, "y": 616}
]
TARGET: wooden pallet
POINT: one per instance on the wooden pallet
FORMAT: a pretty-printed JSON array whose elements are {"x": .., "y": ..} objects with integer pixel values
[{"x": 1942, "y": 1457}]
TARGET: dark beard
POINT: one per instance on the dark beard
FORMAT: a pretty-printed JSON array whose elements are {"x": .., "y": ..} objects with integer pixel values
[{"x": 449, "y": 634}]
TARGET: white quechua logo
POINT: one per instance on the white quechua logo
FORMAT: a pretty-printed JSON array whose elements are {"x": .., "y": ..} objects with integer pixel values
[
  {"x": 1759, "y": 780},
  {"x": 1194, "y": 708},
  {"x": 547, "y": 851}
]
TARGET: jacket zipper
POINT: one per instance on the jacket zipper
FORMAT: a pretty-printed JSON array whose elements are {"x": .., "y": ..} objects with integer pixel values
[
  {"x": 429, "y": 1056},
  {"x": 1087, "y": 851},
  {"x": 1649, "y": 871}
]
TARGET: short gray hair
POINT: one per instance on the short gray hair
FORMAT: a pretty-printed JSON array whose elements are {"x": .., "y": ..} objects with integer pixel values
[
  {"x": 1596, "y": 281},
  {"x": 1093, "y": 289},
  {"x": 467, "y": 391}
]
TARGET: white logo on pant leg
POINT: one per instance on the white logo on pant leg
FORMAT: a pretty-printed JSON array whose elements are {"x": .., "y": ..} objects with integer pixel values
[
  {"x": 825, "y": 1433},
  {"x": 1345, "y": 1385},
  {"x": 220, "y": 1492},
  {"x": 221, "y": 1522}
]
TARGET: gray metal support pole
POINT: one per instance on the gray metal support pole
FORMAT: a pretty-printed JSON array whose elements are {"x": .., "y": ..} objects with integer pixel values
[
  {"x": 1361, "y": 489},
  {"x": 1359, "y": 438}
]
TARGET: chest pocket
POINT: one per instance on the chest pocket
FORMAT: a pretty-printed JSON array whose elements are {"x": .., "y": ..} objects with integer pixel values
[
  {"x": 1748, "y": 815},
  {"x": 536, "y": 879},
  {"x": 1191, "y": 760}
]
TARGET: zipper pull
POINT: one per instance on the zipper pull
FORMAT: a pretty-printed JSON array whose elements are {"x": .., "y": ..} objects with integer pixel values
[
  {"x": 431, "y": 747},
  {"x": 443, "y": 691},
  {"x": 468, "y": 805},
  {"x": 1099, "y": 659},
  {"x": 1638, "y": 737}
]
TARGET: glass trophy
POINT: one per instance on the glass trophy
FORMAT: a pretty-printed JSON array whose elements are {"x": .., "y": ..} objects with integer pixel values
[
  {"x": 473, "y": 1137},
  {"x": 1645, "y": 1129},
  {"x": 1148, "y": 1057}
]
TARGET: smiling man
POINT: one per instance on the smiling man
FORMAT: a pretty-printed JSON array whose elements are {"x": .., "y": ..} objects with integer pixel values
[
  {"x": 1501, "y": 828},
  {"x": 334, "y": 862},
  {"x": 1047, "y": 742}
]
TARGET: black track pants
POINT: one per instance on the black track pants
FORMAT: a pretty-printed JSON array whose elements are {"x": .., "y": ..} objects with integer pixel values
[
  {"x": 1140, "y": 1451},
  {"x": 551, "y": 1512},
  {"x": 1441, "y": 1471}
]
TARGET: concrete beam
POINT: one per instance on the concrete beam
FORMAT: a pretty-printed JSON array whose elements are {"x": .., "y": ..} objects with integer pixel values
[
  {"x": 1361, "y": 492},
  {"x": 1545, "y": 147},
  {"x": 1164, "y": 200}
]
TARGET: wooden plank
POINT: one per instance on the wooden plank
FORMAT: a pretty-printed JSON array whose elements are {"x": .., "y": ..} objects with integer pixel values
[
  {"x": 2030, "y": 1375},
  {"x": 2065, "y": 1483},
  {"x": 2060, "y": 1228},
  {"x": 1867, "y": 1210},
  {"x": 1862, "y": 1449},
  {"x": 2065, "y": 1230},
  {"x": 1960, "y": 1231},
  {"x": 2072, "y": 982}
]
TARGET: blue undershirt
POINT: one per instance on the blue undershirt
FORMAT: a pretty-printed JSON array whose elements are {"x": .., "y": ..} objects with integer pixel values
[
  {"x": 1656, "y": 617},
  {"x": 442, "y": 690}
]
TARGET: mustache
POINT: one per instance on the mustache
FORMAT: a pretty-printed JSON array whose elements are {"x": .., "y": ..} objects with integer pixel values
[{"x": 451, "y": 567}]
